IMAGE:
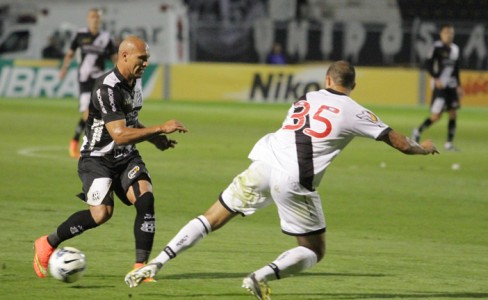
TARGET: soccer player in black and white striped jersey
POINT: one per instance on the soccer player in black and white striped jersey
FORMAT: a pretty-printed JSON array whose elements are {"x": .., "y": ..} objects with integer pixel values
[
  {"x": 443, "y": 66},
  {"x": 95, "y": 47},
  {"x": 110, "y": 164}
]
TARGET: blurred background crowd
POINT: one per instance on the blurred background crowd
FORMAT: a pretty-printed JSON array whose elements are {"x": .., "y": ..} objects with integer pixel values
[{"x": 366, "y": 32}]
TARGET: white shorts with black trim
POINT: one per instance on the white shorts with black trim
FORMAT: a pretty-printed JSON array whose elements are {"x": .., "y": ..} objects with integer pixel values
[{"x": 299, "y": 209}]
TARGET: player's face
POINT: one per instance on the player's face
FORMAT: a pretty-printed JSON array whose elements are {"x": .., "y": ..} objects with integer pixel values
[
  {"x": 138, "y": 61},
  {"x": 93, "y": 20},
  {"x": 447, "y": 35}
]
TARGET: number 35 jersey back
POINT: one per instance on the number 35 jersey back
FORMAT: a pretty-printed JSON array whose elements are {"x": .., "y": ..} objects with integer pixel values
[{"x": 316, "y": 129}]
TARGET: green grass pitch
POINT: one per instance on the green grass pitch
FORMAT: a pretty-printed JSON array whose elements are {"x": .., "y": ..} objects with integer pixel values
[{"x": 403, "y": 227}]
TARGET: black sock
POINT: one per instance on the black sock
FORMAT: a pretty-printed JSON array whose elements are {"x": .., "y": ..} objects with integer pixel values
[
  {"x": 75, "y": 225},
  {"x": 425, "y": 125},
  {"x": 144, "y": 226},
  {"x": 451, "y": 130},
  {"x": 79, "y": 129}
]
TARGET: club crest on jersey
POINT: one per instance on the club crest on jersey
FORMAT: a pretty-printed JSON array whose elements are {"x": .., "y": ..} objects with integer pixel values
[
  {"x": 370, "y": 117},
  {"x": 132, "y": 173}
]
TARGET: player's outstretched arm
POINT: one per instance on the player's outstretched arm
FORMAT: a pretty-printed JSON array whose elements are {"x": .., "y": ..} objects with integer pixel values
[
  {"x": 408, "y": 146},
  {"x": 66, "y": 62},
  {"x": 172, "y": 126},
  {"x": 123, "y": 135}
]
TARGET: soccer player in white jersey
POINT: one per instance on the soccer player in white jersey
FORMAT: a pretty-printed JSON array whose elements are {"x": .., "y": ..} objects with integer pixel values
[
  {"x": 443, "y": 67},
  {"x": 286, "y": 169},
  {"x": 95, "y": 47}
]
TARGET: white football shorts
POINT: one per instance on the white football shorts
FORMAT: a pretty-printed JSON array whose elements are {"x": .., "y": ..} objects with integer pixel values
[
  {"x": 299, "y": 209},
  {"x": 84, "y": 101},
  {"x": 437, "y": 105}
]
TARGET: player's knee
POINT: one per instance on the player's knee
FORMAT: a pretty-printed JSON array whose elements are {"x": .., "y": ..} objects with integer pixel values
[
  {"x": 315, "y": 244},
  {"x": 435, "y": 117},
  {"x": 320, "y": 252},
  {"x": 217, "y": 215},
  {"x": 101, "y": 213},
  {"x": 145, "y": 203}
]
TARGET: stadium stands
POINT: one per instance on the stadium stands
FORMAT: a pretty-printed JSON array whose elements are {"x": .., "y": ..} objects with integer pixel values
[{"x": 446, "y": 10}]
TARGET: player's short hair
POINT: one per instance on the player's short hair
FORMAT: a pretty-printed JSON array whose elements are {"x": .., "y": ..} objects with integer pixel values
[
  {"x": 342, "y": 73},
  {"x": 96, "y": 10},
  {"x": 445, "y": 25}
]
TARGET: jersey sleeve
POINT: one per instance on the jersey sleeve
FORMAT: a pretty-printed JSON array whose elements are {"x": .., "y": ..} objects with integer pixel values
[
  {"x": 111, "y": 48},
  {"x": 74, "y": 43},
  {"x": 429, "y": 62},
  {"x": 109, "y": 102},
  {"x": 367, "y": 124},
  {"x": 456, "y": 69}
]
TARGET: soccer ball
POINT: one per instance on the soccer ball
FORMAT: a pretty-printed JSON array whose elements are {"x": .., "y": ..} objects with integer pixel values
[{"x": 67, "y": 264}]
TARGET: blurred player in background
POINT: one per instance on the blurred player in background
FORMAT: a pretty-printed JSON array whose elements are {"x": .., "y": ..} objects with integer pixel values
[
  {"x": 287, "y": 167},
  {"x": 95, "y": 47},
  {"x": 443, "y": 66},
  {"x": 110, "y": 162}
]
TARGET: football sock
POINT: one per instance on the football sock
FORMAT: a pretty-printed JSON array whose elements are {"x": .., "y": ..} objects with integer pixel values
[
  {"x": 75, "y": 225},
  {"x": 425, "y": 125},
  {"x": 79, "y": 129},
  {"x": 451, "y": 129},
  {"x": 288, "y": 263},
  {"x": 187, "y": 237},
  {"x": 144, "y": 226}
]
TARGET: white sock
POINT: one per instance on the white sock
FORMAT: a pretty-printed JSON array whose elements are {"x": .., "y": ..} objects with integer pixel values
[
  {"x": 288, "y": 263},
  {"x": 186, "y": 238}
]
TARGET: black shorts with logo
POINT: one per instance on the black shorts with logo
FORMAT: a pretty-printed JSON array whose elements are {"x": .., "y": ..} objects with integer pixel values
[
  {"x": 87, "y": 86},
  {"x": 116, "y": 177},
  {"x": 444, "y": 100}
]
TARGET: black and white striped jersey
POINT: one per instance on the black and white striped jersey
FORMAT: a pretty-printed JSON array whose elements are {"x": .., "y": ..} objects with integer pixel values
[
  {"x": 443, "y": 63},
  {"x": 112, "y": 99},
  {"x": 94, "y": 50},
  {"x": 318, "y": 126}
]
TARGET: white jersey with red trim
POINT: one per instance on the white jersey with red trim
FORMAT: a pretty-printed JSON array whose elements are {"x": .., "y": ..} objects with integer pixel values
[{"x": 318, "y": 126}]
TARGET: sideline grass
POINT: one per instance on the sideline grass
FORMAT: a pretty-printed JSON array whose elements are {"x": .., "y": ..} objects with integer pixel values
[{"x": 414, "y": 229}]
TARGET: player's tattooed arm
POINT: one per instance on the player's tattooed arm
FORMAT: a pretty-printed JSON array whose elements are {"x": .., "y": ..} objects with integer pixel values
[{"x": 407, "y": 145}]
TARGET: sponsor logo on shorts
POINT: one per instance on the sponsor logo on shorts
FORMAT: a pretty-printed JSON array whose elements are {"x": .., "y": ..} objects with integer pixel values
[
  {"x": 95, "y": 196},
  {"x": 132, "y": 173}
]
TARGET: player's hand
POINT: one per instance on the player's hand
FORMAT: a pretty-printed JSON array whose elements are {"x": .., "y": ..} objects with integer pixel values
[
  {"x": 62, "y": 73},
  {"x": 172, "y": 126},
  {"x": 460, "y": 92},
  {"x": 162, "y": 142},
  {"x": 429, "y": 147}
]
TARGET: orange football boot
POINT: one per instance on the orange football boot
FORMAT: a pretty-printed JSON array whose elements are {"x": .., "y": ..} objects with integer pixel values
[
  {"x": 42, "y": 252},
  {"x": 140, "y": 265}
]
